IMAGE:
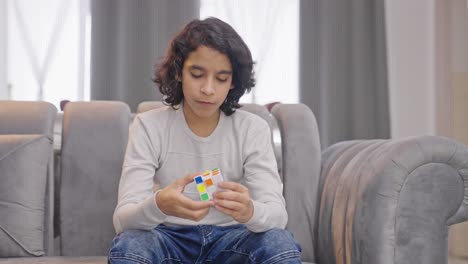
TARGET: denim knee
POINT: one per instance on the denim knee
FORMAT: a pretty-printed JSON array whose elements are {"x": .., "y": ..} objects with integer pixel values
[
  {"x": 131, "y": 246},
  {"x": 278, "y": 246}
]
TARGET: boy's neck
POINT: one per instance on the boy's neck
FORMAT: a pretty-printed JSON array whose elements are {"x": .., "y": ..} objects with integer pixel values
[{"x": 202, "y": 127}]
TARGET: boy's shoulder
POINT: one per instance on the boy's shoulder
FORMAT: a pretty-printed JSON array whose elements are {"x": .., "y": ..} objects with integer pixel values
[
  {"x": 157, "y": 116},
  {"x": 248, "y": 119}
]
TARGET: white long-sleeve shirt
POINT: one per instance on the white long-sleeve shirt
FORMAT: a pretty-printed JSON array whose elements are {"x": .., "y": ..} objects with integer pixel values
[{"x": 162, "y": 148}]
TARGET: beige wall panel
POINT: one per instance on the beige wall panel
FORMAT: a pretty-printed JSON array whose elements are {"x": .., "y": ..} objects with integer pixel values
[{"x": 460, "y": 106}]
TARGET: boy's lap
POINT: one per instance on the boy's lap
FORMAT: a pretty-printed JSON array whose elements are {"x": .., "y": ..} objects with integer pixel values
[
  {"x": 213, "y": 244},
  {"x": 256, "y": 247}
]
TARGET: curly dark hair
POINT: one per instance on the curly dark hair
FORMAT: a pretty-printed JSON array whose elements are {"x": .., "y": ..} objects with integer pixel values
[{"x": 216, "y": 34}]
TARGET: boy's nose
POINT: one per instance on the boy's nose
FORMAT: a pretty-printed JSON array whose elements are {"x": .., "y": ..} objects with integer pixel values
[{"x": 208, "y": 88}]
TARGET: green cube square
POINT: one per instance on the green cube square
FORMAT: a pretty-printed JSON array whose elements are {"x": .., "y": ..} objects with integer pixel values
[{"x": 204, "y": 197}]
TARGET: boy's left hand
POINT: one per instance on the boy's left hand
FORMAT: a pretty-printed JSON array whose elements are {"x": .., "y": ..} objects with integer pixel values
[{"x": 234, "y": 201}]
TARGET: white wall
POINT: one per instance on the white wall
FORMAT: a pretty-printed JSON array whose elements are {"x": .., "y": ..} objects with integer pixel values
[
  {"x": 3, "y": 42},
  {"x": 410, "y": 34}
]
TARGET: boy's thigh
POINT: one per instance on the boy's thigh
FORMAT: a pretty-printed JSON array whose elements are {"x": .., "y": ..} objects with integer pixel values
[
  {"x": 243, "y": 246},
  {"x": 159, "y": 245}
]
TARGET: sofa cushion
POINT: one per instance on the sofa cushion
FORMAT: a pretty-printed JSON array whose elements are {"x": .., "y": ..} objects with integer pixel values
[
  {"x": 56, "y": 260},
  {"x": 23, "y": 176}
]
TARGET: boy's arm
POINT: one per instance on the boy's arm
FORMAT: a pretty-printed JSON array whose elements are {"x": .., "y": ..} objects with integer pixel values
[
  {"x": 263, "y": 181},
  {"x": 137, "y": 207}
]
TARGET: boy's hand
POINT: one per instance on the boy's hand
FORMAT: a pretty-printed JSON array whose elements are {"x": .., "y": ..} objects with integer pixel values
[
  {"x": 171, "y": 201},
  {"x": 234, "y": 201}
]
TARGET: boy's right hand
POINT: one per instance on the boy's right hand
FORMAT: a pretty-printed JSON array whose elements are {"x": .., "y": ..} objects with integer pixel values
[{"x": 171, "y": 201}]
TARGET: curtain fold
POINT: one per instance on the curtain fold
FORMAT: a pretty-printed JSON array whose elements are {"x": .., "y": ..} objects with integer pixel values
[
  {"x": 128, "y": 38},
  {"x": 343, "y": 68}
]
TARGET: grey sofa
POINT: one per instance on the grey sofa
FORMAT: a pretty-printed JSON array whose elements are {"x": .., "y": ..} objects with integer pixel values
[{"x": 364, "y": 201}]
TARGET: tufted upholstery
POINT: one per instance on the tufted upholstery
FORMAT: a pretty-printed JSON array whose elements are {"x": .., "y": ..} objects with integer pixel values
[{"x": 391, "y": 201}]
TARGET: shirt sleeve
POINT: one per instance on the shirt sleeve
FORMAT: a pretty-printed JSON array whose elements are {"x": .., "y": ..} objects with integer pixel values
[
  {"x": 136, "y": 206},
  {"x": 263, "y": 181}
]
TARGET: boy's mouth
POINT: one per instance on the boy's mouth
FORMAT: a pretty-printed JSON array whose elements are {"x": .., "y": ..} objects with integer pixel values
[{"x": 205, "y": 103}]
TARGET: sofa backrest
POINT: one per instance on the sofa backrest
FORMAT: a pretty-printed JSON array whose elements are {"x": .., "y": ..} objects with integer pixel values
[
  {"x": 94, "y": 138},
  {"x": 26, "y": 117}
]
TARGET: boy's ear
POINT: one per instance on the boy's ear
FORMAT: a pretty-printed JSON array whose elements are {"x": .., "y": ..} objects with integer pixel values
[{"x": 232, "y": 87}]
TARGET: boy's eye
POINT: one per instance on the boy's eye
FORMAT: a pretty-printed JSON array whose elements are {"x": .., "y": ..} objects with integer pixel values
[
  {"x": 196, "y": 76},
  {"x": 222, "y": 80}
]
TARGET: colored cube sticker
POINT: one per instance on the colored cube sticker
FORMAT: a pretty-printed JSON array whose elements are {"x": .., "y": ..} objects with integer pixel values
[
  {"x": 201, "y": 188},
  {"x": 207, "y": 183},
  {"x": 204, "y": 197},
  {"x": 199, "y": 179}
]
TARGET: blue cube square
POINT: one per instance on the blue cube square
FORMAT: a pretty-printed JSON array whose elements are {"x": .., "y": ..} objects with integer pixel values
[{"x": 198, "y": 179}]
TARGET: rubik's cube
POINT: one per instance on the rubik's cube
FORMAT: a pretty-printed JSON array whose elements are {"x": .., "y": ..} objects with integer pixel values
[{"x": 207, "y": 183}]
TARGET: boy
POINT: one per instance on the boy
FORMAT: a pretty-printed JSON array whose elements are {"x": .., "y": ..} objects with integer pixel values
[{"x": 207, "y": 69}]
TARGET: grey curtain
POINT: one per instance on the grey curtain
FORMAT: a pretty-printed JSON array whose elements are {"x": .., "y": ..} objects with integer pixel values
[
  {"x": 128, "y": 39},
  {"x": 343, "y": 68}
]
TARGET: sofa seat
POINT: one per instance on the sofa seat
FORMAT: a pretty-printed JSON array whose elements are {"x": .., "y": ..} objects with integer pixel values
[
  {"x": 56, "y": 260},
  {"x": 73, "y": 260},
  {"x": 103, "y": 260}
]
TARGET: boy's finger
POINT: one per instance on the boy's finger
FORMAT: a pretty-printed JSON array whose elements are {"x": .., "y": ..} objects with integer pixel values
[
  {"x": 232, "y": 196},
  {"x": 233, "y": 186},
  {"x": 225, "y": 210},
  {"x": 191, "y": 214},
  {"x": 231, "y": 205},
  {"x": 188, "y": 179},
  {"x": 195, "y": 205}
]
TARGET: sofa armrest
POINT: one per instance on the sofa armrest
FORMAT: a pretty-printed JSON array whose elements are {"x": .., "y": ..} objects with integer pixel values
[
  {"x": 301, "y": 171},
  {"x": 391, "y": 201}
]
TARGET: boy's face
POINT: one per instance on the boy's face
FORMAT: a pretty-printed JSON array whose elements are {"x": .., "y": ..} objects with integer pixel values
[{"x": 206, "y": 81}]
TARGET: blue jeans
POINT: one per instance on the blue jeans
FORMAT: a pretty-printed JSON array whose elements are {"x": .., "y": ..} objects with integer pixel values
[{"x": 204, "y": 244}]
